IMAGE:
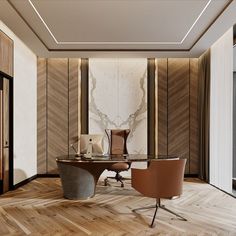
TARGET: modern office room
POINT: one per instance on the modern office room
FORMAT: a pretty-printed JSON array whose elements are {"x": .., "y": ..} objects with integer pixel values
[{"x": 117, "y": 117}]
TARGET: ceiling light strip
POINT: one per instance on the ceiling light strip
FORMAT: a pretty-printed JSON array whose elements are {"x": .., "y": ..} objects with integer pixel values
[
  {"x": 40, "y": 17},
  {"x": 121, "y": 43},
  {"x": 208, "y": 3}
]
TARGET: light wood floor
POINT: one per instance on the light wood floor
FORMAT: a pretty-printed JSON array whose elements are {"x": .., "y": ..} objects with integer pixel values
[{"x": 38, "y": 208}]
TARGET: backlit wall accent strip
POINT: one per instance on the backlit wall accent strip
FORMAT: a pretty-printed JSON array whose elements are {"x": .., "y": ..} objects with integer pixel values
[{"x": 156, "y": 106}]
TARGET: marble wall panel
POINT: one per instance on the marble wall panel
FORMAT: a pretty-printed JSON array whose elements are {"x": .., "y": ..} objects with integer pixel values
[{"x": 118, "y": 99}]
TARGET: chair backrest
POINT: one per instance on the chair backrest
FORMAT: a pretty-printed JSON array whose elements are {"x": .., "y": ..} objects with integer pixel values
[
  {"x": 117, "y": 139},
  {"x": 163, "y": 178}
]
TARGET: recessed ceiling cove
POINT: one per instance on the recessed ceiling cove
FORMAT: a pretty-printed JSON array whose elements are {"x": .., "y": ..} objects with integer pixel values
[{"x": 119, "y": 24}]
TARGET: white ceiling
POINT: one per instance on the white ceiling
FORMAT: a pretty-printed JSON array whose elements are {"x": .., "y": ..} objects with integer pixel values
[{"x": 122, "y": 27}]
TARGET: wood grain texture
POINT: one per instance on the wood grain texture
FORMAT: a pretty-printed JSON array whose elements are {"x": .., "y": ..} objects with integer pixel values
[
  {"x": 41, "y": 116},
  {"x": 73, "y": 102},
  {"x": 6, "y": 54},
  {"x": 162, "y": 106},
  {"x": 58, "y": 111},
  {"x": 44, "y": 211},
  {"x": 178, "y": 108},
  {"x": 1, "y": 134},
  {"x": 5, "y": 137},
  {"x": 194, "y": 137}
]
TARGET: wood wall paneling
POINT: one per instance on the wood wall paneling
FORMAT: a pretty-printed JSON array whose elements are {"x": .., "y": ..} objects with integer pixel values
[
  {"x": 58, "y": 110},
  {"x": 6, "y": 54},
  {"x": 194, "y": 137},
  {"x": 73, "y": 103},
  {"x": 178, "y": 108},
  {"x": 41, "y": 116},
  {"x": 151, "y": 107},
  {"x": 162, "y": 106}
]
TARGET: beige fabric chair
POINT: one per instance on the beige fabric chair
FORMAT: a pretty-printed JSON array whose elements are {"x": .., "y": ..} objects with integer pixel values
[
  {"x": 117, "y": 139},
  {"x": 163, "y": 179}
]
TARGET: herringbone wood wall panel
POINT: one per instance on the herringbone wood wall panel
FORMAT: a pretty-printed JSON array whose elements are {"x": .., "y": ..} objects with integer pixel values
[
  {"x": 162, "y": 106},
  {"x": 58, "y": 103},
  {"x": 194, "y": 148},
  {"x": 41, "y": 116},
  {"x": 58, "y": 108},
  {"x": 178, "y": 108},
  {"x": 73, "y": 102}
]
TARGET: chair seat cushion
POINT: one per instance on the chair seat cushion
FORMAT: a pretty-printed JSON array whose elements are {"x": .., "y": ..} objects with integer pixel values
[{"x": 119, "y": 166}]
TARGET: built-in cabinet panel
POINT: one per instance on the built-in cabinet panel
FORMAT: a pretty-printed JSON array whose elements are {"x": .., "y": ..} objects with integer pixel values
[
  {"x": 58, "y": 106},
  {"x": 57, "y": 111},
  {"x": 41, "y": 116},
  {"x": 6, "y": 54},
  {"x": 178, "y": 110}
]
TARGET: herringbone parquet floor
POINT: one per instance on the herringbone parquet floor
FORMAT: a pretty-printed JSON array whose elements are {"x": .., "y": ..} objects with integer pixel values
[{"x": 38, "y": 208}]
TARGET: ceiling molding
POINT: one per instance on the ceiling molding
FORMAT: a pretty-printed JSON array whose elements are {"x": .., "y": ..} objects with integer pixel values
[
  {"x": 117, "y": 43},
  {"x": 19, "y": 14},
  {"x": 126, "y": 50}
]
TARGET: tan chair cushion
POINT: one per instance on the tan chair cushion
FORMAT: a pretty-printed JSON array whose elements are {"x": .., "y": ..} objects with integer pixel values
[{"x": 121, "y": 166}]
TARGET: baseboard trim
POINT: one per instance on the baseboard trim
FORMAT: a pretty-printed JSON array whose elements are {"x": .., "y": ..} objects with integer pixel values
[
  {"x": 48, "y": 175},
  {"x": 1, "y": 187},
  {"x": 26, "y": 181},
  {"x": 234, "y": 184},
  {"x": 230, "y": 194},
  {"x": 191, "y": 176}
]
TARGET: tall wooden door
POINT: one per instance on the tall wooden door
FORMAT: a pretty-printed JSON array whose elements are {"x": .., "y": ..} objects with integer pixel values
[{"x": 4, "y": 134}]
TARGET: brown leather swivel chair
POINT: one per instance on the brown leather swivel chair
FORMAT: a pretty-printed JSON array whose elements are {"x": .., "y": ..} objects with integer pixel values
[
  {"x": 163, "y": 179},
  {"x": 117, "y": 139}
]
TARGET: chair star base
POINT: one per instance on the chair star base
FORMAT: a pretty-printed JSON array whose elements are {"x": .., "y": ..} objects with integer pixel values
[
  {"x": 118, "y": 178},
  {"x": 158, "y": 205}
]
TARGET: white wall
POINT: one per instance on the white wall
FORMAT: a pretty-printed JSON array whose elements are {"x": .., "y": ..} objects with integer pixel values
[
  {"x": 25, "y": 109},
  {"x": 221, "y": 112}
]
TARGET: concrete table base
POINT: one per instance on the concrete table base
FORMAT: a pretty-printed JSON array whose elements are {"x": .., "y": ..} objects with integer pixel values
[{"x": 79, "y": 179}]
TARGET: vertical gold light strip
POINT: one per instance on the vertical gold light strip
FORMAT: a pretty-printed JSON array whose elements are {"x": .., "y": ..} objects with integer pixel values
[
  {"x": 156, "y": 106},
  {"x": 79, "y": 103}
]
